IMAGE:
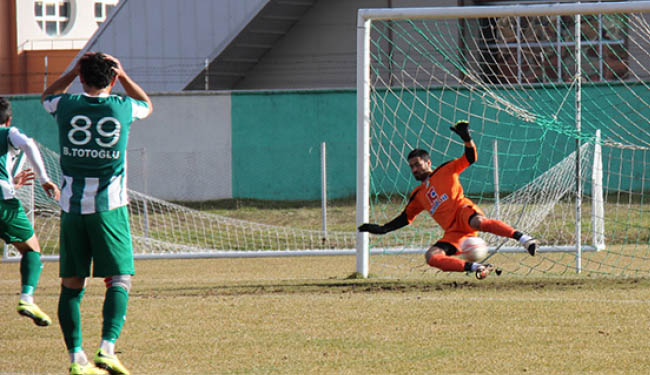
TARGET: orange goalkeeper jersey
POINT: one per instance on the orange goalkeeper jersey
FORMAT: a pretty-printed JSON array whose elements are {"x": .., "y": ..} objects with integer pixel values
[{"x": 441, "y": 194}]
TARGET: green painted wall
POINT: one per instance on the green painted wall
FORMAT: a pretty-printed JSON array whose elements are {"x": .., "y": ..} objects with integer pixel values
[
  {"x": 526, "y": 149},
  {"x": 31, "y": 118},
  {"x": 276, "y": 140}
]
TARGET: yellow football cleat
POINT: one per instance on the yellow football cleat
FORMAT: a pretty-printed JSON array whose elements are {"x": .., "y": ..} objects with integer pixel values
[
  {"x": 110, "y": 363},
  {"x": 87, "y": 369},
  {"x": 32, "y": 311}
]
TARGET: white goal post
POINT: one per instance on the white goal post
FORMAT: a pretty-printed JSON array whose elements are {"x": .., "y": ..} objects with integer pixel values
[{"x": 404, "y": 98}]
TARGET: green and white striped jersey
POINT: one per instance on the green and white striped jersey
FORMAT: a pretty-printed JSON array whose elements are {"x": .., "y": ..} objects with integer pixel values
[
  {"x": 93, "y": 135},
  {"x": 12, "y": 143}
]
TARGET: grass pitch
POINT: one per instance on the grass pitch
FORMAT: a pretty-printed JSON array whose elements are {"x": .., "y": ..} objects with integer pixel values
[{"x": 304, "y": 316}]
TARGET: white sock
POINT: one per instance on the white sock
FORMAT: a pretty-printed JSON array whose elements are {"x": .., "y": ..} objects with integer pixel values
[
  {"x": 524, "y": 238},
  {"x": 475, "y": 266},
  {"x": 27, "y": 297},
  {"x": 79, "y": 357},
  {"x": 107, "y": 347}
]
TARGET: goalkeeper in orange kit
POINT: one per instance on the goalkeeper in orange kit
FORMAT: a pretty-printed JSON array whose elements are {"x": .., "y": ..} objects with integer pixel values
[{"x": 441, "y": 194}]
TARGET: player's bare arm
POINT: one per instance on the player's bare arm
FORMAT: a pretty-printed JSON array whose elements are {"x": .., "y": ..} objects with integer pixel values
[
  {"x": 62, "y": 84},
  {"x": 131, "y": 88},
  {"x": 27, "y": 176}
]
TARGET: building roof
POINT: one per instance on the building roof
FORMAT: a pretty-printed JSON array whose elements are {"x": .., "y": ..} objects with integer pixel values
[{"x": 165, "y": 45}]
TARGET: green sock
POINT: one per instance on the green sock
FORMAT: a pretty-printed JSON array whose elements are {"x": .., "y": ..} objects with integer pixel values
[
  {"x": 30, "y": 271},
  {"x": 114, "y": 312},
  {"x": 70, "y": 317}
]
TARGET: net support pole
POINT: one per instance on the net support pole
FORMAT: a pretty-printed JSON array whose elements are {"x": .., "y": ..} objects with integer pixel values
[
  {"x": 495, "y": 160},
  {"x": 32, "y": 199},
  {"x": 323, "y": 188},
  {"x": 363, "y": 142},
  {"x": 597, "y": 204},
  {"x": 578, "y": 119},
  {"x": 45, "y": 72},
  {"x": 146, "y": 191},
  {"x": 206, "y": 79}
]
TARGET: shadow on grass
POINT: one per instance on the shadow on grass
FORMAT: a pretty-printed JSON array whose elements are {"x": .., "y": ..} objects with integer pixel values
[{"x": 506, "y": 284}]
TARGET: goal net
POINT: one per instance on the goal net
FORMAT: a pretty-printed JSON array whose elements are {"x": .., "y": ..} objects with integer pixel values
[
  {"x": 162, "y": 229},
  {"x": 558, "y": 103}
]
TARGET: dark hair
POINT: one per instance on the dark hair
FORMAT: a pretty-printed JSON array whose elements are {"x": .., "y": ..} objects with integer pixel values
[
  {"x": 418, "y": 153},
  {"x": 5, "y": 110},
  {"x": 97, "y": 71}
]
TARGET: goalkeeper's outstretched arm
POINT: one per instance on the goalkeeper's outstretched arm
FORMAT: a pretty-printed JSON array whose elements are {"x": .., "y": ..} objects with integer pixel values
[
  {"x": 462, "y": 129},
  {"x": 396, "y": 223}
]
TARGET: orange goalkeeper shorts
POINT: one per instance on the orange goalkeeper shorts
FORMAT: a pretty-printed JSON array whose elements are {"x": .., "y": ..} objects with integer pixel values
[{"x": 460, "y": 228}]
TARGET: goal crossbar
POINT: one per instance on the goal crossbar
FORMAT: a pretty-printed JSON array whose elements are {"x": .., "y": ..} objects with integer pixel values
[{"x": 564, "y": 9}]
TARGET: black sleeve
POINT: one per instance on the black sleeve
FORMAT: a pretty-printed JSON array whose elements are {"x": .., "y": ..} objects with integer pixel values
[
  {"x": 470, "y": 154},
  {"x": 396, "y": 223}
]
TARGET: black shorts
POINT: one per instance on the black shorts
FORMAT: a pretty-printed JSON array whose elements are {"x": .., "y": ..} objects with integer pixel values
[{"x": 447, "y": 247}]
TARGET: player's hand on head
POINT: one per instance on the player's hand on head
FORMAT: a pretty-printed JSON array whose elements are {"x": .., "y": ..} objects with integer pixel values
[
  {"x": 118, "y": 65},
  {"x": 372, "y": 228},
  {"x": 462, "y": 129},
  {"x": 77, "y": 66}
]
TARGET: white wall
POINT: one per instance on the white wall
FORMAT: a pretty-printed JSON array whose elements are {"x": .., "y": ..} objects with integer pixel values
[{"x": 187, "y": 148}]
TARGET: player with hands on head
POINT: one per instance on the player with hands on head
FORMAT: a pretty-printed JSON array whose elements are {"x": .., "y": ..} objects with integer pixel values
[
  {"x": 93, "y": 135},
  {"x": 441, "y": 194},
  {"x": 15, "y": 227}
]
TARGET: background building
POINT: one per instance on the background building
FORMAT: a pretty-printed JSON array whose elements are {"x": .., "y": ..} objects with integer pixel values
[
  {"x": 173, "y": 45},
  {"x": 40, "y": 38},
  {"x": 281, "y": 80},
  {"x": 169, "y": 45}
]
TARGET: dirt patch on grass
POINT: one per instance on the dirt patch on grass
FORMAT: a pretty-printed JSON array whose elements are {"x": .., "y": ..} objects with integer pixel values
[{"x": 393, "y": 286}]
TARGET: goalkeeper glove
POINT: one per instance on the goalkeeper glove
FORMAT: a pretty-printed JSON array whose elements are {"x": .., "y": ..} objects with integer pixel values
[
  {"x": 372, "y": 228},
  {"x": 462, "y": 129}
]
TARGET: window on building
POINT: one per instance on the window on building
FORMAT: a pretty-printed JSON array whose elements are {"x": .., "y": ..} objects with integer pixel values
[
  {"x": 542, "y": 49},
  {"x": 103, "y": 9},
  {"x": 64, "y": 10},
  {"x": 52, "y": 16}
]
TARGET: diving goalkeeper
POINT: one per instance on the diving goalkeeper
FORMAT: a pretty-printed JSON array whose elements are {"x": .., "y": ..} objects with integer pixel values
[{"x": 441, "y": 194}]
